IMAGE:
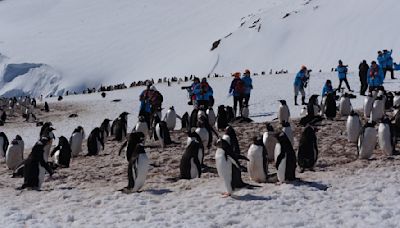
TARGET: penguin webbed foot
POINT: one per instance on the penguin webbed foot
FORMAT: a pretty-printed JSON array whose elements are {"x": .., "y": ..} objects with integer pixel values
[{"x": 226, "y": 194}]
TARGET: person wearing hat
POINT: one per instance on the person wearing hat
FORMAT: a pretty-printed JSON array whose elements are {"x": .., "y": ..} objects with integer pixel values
[
  {"x": 237, "y": 90},
  {"x": 248, "y": 85},
  {"x": 389, "y": 63},
  {"x": 204, "y": 94},
  {"x": 362, "y": 73},
  {"x": 375, "y": 77},
  {"x": 342, "y": 75},
  {"x": 299, "y": 83}
]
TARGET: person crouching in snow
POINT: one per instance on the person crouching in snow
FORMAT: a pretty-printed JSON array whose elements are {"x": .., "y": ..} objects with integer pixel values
[
  {"x": 327, "y": 88},
  {"x": 299, "y": 83},
  {"x": 237, "y": 91},
  {"x": 342, "y": 74}
]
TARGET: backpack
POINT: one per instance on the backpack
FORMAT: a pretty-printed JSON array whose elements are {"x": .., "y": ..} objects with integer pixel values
[
  {"x": 156, "y": 99},
  {"x": 239, "y": 87}
]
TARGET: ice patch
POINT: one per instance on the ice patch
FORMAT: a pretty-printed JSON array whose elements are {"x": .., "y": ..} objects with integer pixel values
[{"x": 14, "y": 70}]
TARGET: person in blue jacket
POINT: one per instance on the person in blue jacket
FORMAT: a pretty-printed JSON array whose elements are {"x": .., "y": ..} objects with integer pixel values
[
  {"x": 375, "y": 77},
  {"x": 145, "y": 104},
  {"x": 204, "y": 94},
  {"x": 327, "y": 88},
  {"x": 237, "y": 91},
  {"x": 396, "y": 66},
  {"x": 342, "y": 74},
  {"x": 389, "y": 63},
  {"x": 299, "y": 83},
  {"x": 381, "y": 60},
  {"x": 248, "y": 84}
]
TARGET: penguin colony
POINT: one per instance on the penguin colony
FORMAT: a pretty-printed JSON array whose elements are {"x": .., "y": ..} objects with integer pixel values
[{"x": 377, "y": 124}]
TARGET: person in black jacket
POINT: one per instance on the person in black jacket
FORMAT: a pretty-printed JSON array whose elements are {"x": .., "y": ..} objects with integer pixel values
[{"x": 363, "y": 71}]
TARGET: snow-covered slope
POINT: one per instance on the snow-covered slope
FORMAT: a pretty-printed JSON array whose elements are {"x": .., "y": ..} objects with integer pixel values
[{"x": 87, "y": 43}]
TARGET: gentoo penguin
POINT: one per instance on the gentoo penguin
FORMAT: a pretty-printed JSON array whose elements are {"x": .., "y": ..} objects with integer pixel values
[
  {"x": 269, "y": 140},
  {"x": 308, "y": 149},
  {"x": 48, "y": 133},
  {"x": 233, "y": 141},
  {"x": 192, "y": 158},
  {"x": 185, "y": 122},
  {"x": 138, "y": 168},
  {"x": 389, "y": 100},
  {"x": 3, "y": 145},
  {"x": 285, "y": 159},
  {"x": 396, "y": 99},
  {"x": 386, "y": 137},
  {"x": 286, "y": 127},
  {"x": 119, "y": 126},
  {"x": 170, "y": 118},
  {"x": 211, "y": 116},
  {"x": 257, "y": 166},
  {"x": 330, "y": 106},
  {"x": 345, "y": 105},
  {"x": 4, "y": 116},
  {"x": 95, "y": 142},
  {"x": 228, "y": 167},
  {"x": 353, "y": 127},
  {"x": 313, "y": 110},
  {"x": 141, "y": 126},
  {"x": 283, "y": 112},
  {"x": 367, "y": 141},
  {"x": 46, "y": 107},
  {"x": 75, "y": 141},
  {"x": 35, "y": 166},
  {"x": 368, "y": 103},
  {"x": 378, "y": 109},
  {"x": 30, "y": 117},
  {"x": 193, "y": 118},
  {"x": 163, "y": 135},
  {"x": 230, "y": 114},
  {"x": 105, "y": 127},
  {"x": 222, "y": 118},
  {"x": 62, "y": 153},
  {"x": 201, "y": 113},
  {"x": 44, "y": 128},
  {"x": 15, "y": 153},
  {"x": 204, "y": 133},
  {"x": 245, "y": 111},
  {"x": 134, "y": 139}
]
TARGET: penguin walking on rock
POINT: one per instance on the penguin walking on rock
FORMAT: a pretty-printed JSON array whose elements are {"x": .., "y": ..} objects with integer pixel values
[
  {"x": 386, "y": 137},
  {"x": 345, "y": 105},
  {"x": 95, "y": 142},
  {"x": 192, "y": 159},
  {"x": 367, "y": 141},
  {"x": 138, "y": 167},
  {"x": 308, "y": 149},
  {"x": 257, "y": 166},
  {"x": 353, "y": 127},
  {"x": 170, "y": 118},
  {"x": 283, "y": 112},
  {"x": 269, "y": 140},
  {"x": 134, "y": 139},
  {"x": 163, "y": 135},
  {"x": 4, "y": 143},
  {"x": 15, "y": 153},
  {"x": 378, "y": 109},
  {"x": 62, "y": 153},
  {"x": 285, "y": 158},
  {"x": 119, "y": 126},
  {"x": 329, "y": 107},
  {"x": 75, "y": 141},
  {"x": 368, "y": 103}
]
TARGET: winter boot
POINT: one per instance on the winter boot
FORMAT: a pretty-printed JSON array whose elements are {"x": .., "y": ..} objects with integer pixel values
[
  {"x": 295, "y": 100},
  {"x": 303, "y": 100}
]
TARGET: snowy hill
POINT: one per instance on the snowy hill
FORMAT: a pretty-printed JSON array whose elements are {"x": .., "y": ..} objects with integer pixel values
[{"x": 93, "y": 42}]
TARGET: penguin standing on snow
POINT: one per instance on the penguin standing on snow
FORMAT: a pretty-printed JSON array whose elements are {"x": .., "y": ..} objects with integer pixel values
[
  {"x": 141, "y": 126},
  {"x": 76, "y": 140},
  {"x": 330, "y": 106},
  {"x": 222, "y": 118},
  {"x": 211, "y": 116},
  {"x": 48, "y": 133},
  {"x": 378, "y": 109},
  {"x": 285, "y": 159},
  {"x": 138, "y": 168},
  {"x": 308, "y": 149},
  {"x": 3, "y": 144},
  {"x": 170, "y": 118},
  {"x": 353, "y": 127},
  {"x": 119, "y": 126},
  {"x": 95, "y": 142},
  {"x": 367, "y": 141},
  {"x": 228, "y": 167},
  {"x": 105, "y": 127},
  {"x": 234, "y": 142},
  {"x": 269, "y": 140},
  {"x": 163, "y": 135},
  {"x": 257, "y": 166},
  {"x": 368, "y": 103},
  {"x": 287, "y": 128},
  {"x": 283, "y": 112},
  {"x": 204, "y": 132},
  {"x": 46, "y": 107},
  {"x": 15, "y": 153},
  {"x": 134, "y": 139},
  {"x": 62, "y": 152},
  {"x": 192, "y": 159},
  {"x": 345, "y": 105},
  {"x": 35, "y": 166},
  {"x": 386, "y": 137}
]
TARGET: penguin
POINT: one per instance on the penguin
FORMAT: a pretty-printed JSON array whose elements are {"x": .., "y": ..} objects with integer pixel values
[
  {"x": 345, "y": 105},
  {"x": 62, "y": 153},
  {"x": 378, "y": 109},
  {"x": 368, "y": 103},
  {"x": 283, "y": 112},
  {"x": 95, "y": 142},
  {"x": 163, "y": 135},
  {"x": 228, "y": 167},
  {"x": 285, "y": 157},
  {"x": 133, "y": 140},
  {"x": 119, "y": 126},
  {"x": 330, "y": 106},
  {"x": 15, "y": 153},
  {"x": 286, "y": 127},
  {"x": 35, "y": 166},
  {"x": 353, "y": 127},
  {"x": 386, "y": 137},
  {"x": 396, "y": 99},
  {"x": 204, "y": 133},
  {"x": 230, "y": 114},
  {"x": 48, "y": 133},
  {"x": 193, "y": 118},
  {"x": 192, "y": 159},
  {"x": 389, "y": 100},
  {"x": 201, "y": 113},
  {"x": 44, "y": 128},
  {"x": 185, "y": 122},
  {"x": 75, "y": 141},
  {"x": 308, "y": 149},
  {"x": 233, "y": 141},
  {"x": 4, "y": 143},
  {"x": 138, "y": 167},
  {"x": 269, "y": 140},
  {"x": 4, "y": 116},
  {"x": 257, "y": 166},
  {"x": 30, "y": 117},
  {"x": 222, "y": 118},
  {"x": 367, "y": 141},
  {"x": 170, "y": 118},
  {"x": 211, "y": 116},
  {"x": 105, "y": 127},
  {"x": 245, "y": 111},
  {"x": 313, "y": 110},
  {"x": 46, "y": 107},
  {"x": 141, "y": 126}
]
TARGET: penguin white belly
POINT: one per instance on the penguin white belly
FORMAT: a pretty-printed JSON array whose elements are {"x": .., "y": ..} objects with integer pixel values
[
  {"x": 353, "y": 127},
  {"x": 142, "y": 127},
  {"x": 277, "y": 151},
  {"x": 142, "y": 167},
  {"x": 224, "y": 168},
  {"x": 203, "y": 133},
  {"x": 303, "y": 112},
  {"x": 269, "y": 143},
  {"x": 13, "y": 156},
  {"x": 211, "y": 117},
  {"x": 316, "y": 109},
  {"x": 283, "y": 114},
  {"x": 2, "y": 152},
  {"x": 385, "y": 139},
  {"x": 42, "y": 172},
  {"x": 368, "y": 103},
  {"x": 345, "y": 107},
  {"x": 76, "y": 144},
  {"x": 396, "y": 101},
  {"x": 377, "y": 111},
  {"x": 281, "y": 170},
  {"x": 323, "y": 106},
  {"x": 200, "y": 113},
  {"x": 255, "y": 165},
  {"x": 46, "y": 152},
  {"x": 158, "y": 133},
  {"x": 368, "y": 143},
  {"x": 56, "y": 158},
  {"x": 289, "y": 133},
  {"x": 201, "y": 155},
  {"x": 194, "y": 173},
  {"x": 98, "y": 146},
  {"x": 171, "y": 120}
]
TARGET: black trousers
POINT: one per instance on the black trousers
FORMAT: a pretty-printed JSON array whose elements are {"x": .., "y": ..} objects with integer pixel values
[
  {"x": 390, "y": 69},
  {"x": 345, "y": 81},
  {"x": 363, "y": 86},
  {"x": 236, "y": 100}
]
